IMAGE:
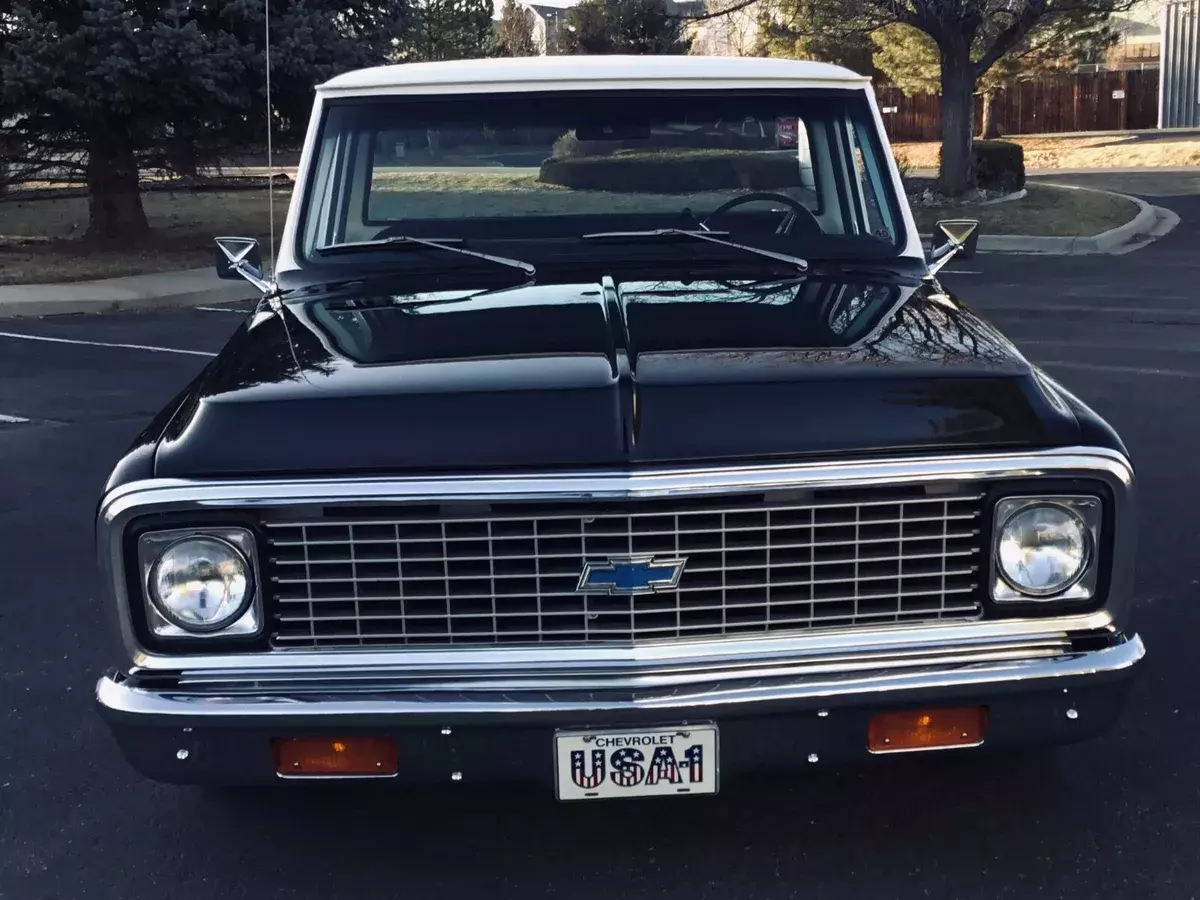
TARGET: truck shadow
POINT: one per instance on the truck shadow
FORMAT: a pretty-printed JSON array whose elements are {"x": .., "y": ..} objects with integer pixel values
[{"x": 887, "y": 821}]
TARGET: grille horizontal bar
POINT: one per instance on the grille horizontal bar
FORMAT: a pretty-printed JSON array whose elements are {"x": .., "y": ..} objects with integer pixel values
[{"x": 509, "y": 572}]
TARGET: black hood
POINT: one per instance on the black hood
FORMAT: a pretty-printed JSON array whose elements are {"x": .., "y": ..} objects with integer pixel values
[{"x": 360, "y": 379}]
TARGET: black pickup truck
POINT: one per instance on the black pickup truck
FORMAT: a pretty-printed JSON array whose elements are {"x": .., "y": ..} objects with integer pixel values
[{"x": 592, "y": 431}]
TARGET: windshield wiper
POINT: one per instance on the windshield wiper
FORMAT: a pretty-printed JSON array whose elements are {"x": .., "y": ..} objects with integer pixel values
[
  {"x": 403, "y": 240},
  {"x": 712, "y": 237}
]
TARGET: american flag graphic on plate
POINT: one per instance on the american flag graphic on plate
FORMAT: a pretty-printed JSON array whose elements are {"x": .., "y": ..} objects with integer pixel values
[{"x": 651, "y": 762}]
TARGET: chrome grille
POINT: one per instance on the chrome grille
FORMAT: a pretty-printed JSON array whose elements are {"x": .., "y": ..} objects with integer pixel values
[{"x": 508, "y": 572}]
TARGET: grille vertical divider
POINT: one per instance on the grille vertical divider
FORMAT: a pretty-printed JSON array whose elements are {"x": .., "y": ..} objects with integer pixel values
[
  {"x": 446, "y": 582},
  {"x": 945, "y": 528},
  {"x": 537, "y": 583},
  {"x": 354, "y": 584},
  {"x": 678, "y": 605},
  {"x": 312, "y": 618},
  {"x": 724, "y": 573},
  {"x": 629, "y": 597},
  {"x": 770, "y": 610},
  {"x": 400, "y": 581},
  {"x": 492, "y": 576},
  {"x": 812, "y": 565},
  {"x": 857, "y": 553},
  {"x": 900, "y": 563}
]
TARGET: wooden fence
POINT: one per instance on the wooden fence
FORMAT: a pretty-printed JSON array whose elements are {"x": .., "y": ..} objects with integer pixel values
[{"x": 1099, "y": 101}]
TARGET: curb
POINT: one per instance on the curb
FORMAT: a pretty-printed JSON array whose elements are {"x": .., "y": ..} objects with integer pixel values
[
  {"x": 1107, "y": 241},
  {"x": 192, "y": 287},
  {"x": 1110, "y": 242}
]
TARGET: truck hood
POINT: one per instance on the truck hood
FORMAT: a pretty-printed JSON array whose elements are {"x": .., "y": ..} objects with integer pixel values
[{"x": 360, "y": 379}]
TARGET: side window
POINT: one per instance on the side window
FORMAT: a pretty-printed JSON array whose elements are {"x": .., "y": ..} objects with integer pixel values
[{"x": 877, "y": 215}]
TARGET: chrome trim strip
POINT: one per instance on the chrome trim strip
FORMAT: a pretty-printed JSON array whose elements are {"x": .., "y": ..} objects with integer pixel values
[
  {"x": 343, "y": 681},
  {"x": 120, "y": 698},
  {"x": 683, "y": 654},
  {"x": 161, "y": 495},
  {"x": 253, "y": 493}
]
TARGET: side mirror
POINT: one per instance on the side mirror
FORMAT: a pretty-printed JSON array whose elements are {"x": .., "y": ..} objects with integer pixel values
[
  {"x": 240, "y": 257},
  {"x": 951, "y": 237}
]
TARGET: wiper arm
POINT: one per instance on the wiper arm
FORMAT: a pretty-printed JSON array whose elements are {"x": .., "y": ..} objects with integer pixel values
[
  {"x": 403, "y": 240},
  {"x": 712, "y": 237}
]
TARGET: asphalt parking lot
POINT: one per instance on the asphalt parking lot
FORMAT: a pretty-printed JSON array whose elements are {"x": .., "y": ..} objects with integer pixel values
[{"x": 1117, "y": 817}]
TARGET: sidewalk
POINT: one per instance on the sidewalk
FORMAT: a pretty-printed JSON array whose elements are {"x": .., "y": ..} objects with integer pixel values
[{"x": 191, "y": 287}]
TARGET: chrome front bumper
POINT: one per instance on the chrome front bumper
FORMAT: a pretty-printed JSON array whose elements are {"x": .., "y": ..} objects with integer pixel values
[{"x": 199, "y": 726}]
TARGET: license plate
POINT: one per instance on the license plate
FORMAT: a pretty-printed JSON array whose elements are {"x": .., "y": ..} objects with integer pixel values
[{"x": 652, "y": 762}]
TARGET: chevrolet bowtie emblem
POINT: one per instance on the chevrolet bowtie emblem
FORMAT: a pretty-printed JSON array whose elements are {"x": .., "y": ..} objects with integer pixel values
[{"x": 630, "y": 575}]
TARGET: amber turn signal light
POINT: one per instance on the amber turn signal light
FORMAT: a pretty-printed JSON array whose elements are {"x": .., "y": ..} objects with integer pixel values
[
  {"x": 927, "y": 729},
  {"x": 333, "y": 757}
]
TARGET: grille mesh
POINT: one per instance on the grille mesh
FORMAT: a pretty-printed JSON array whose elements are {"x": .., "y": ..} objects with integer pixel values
[{"x": 508, "y": 573}]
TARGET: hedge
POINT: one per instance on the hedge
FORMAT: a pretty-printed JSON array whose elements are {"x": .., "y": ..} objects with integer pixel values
[
  {"x": 999, "y": 166},
  {"x": 673, "y": 171}
]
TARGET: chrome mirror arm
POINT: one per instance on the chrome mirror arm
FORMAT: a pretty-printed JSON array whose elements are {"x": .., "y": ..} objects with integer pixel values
[{"x": 237, "y": 253}]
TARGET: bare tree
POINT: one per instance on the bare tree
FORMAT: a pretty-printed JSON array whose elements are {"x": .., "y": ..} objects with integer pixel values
[{"x": 971, "y": 36}]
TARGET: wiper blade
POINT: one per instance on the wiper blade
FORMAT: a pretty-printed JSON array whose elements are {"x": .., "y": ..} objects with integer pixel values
[
  {"x": 712, "y": 237},
  {"x": 403, "y": 240}
]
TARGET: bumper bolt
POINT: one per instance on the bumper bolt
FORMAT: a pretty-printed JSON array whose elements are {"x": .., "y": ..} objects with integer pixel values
[
  {"x": 456, "y": 776},
  {"x": 822, "y": 714},
  {"x": 446, "y": 730},
  {"x": 1072, "y": 714},
  {"x": 181, "y": 755},
  {"x": 812, "y": 758}
]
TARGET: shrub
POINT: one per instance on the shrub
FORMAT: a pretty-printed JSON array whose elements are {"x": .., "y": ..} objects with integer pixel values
[
  {"x": 999, "y": 166},
  {"x": 673, "y": 171},
  {"x": 566, "y": 146}
]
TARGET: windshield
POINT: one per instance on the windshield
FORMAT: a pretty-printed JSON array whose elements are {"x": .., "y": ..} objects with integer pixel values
[{"x": 536, "y": 174}]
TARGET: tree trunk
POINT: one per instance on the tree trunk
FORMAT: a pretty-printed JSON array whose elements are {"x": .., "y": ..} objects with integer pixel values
[
  {"x": 958, "y": 99},
  {"x": 989, "y": 128},
  {"x": 114, "y": 202}
]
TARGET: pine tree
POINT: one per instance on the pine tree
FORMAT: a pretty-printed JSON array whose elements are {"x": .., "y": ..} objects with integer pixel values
[
  {"x": 811, "y": 29},
  {"x": 449, "y": 29},
  {"x": 105, "y": 88},
  {"x": 514, "y": 34},
  {"x": 624, "y": 26}
]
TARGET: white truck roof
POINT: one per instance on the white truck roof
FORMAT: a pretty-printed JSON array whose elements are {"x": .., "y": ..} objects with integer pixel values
[{"x": 536, "y": 73}]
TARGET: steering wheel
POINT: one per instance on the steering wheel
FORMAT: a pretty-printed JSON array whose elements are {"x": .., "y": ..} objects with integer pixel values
[{"x": 795, "y": 210}]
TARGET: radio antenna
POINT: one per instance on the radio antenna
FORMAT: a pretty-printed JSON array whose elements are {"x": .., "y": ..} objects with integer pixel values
[{"x": 270, "y": 156}]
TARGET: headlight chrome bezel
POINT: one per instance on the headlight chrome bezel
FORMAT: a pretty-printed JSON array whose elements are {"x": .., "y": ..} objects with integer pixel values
[
  {"x": 1088, "y": 510},
  {"x": 247, "y": 623}
]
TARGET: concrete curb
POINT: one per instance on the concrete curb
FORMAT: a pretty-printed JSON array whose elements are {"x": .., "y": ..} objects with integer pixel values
[
  {"x": 191, "y": 287},
  {"x": 1110, "y": 241},
  {"x": 1107, "y": 241}
]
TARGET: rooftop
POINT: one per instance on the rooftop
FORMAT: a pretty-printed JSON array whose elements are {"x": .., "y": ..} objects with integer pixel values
[{"x": 541, "y": 72}]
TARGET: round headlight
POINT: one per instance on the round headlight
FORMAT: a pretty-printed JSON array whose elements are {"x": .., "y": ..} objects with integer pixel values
[
  {"x": 200, "y": 584},
  {"x": 1043, "y": 549}
]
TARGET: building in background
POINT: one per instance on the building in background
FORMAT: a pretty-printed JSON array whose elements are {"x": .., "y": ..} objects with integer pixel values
[
  {"x": 1139, "y": 37},
  {"x": 549, "y": 19},
  {"x": 734, "y": 34},
  {"x": 1179, "y": 84}
]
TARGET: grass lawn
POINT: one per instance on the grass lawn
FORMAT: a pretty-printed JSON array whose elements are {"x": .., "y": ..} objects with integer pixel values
[
  {"x": 1045, "y": 210},
  {"x": 1046, "y": 151},
  {"x": 40, "y": 239}
]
